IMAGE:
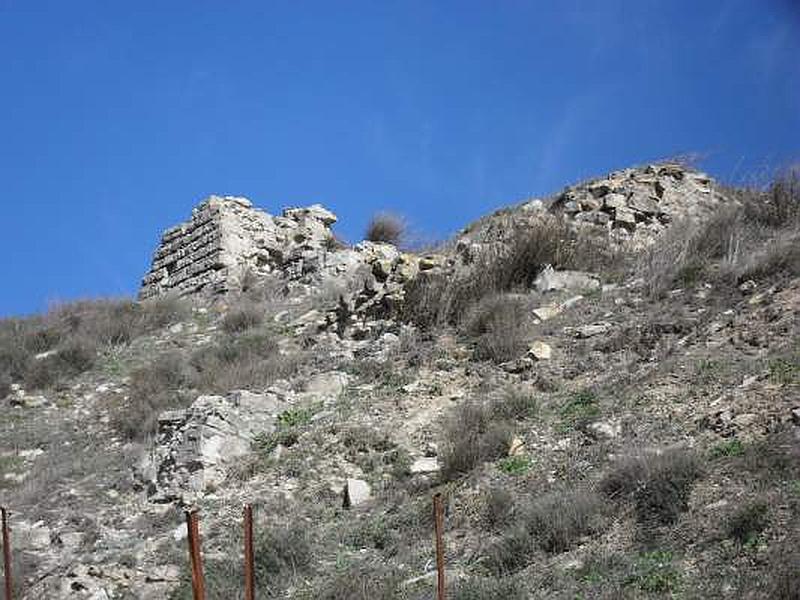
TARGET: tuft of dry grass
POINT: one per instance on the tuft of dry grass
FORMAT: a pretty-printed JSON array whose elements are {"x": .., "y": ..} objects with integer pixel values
[{"x": 756, "y": 238}]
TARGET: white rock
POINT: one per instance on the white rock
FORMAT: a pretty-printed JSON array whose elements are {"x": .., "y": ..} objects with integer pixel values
[
  {"x": 543, "y": 313},
  {"x": 356, "y": 492},
  {"x": 425, "y": 464},
  {"x": 552, "y": 280},
  {"x": 605, "y": 429},
  {"x": 540, "y": 351}
]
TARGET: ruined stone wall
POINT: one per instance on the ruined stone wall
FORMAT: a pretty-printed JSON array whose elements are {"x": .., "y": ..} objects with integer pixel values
[{"x": 227, "y": 237}]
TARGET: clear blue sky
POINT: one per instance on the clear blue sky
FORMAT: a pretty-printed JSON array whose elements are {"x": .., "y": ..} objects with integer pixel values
[{"x": 117, "y": 117}]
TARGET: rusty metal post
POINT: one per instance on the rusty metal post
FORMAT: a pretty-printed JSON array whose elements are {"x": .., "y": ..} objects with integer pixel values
[
  {"x": 198, "y": 583},
  {"x": 7, "y": 555},
  {"x": 249, "y": 564},
  {"x": 438, "y": 519}
]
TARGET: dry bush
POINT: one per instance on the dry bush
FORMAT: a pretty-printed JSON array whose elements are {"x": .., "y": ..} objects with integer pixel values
[
  {"x": 498, "y": 324},
  {"x": 387, "y": 228},
  {"x": 555, "y": 523},
  {"x": 74, "y": 356},
  {"x": 153, "y": 389},
  {"x": 511, "y": 264},
  {"x": 282, "y": 550},
  {"x": 747, "y": 521},
  {"x": 246, "y": 315},
  {"x": 5, "y": 384},
  {"x": 559, "y": 519},
  {"x": 249, "y": 361},
  {"x": 471, "y": 436},
  {"x": 515, "y": 402},
  {"x": 499, "y": 506},
  {"x": 361, "y": 581},
  {"x": 782, "y": 579},
  {"x": 659, "y": 484}
]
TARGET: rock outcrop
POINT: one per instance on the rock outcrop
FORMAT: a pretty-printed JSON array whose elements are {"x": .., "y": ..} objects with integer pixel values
[{"x": 639, "y": 202}]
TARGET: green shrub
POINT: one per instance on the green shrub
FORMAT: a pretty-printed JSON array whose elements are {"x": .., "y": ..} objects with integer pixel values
[
  {"x": 728, "y": 448},
  {"x": 515, "y": 465},
  {"x": 783, "y": 371},
  {"x": 654, "y": 573},
  {"x": 579, "y": 409}
]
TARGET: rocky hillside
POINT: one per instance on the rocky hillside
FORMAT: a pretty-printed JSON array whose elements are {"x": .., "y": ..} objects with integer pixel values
[{"x": 604, "y": 386}]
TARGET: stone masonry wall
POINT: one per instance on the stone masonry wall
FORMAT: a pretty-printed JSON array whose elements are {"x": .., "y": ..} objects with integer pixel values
[{"x": 225, "y": 238}]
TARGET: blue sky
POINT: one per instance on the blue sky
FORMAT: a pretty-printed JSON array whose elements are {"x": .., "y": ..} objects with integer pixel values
[{"x": 117, "y": 117}]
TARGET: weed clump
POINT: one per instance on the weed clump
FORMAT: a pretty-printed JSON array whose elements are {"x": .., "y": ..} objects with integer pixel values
[
  {"x": 659, "y": 484},
  {"x": 472, "y": 436},
  {"x": 553, "y": 523}
]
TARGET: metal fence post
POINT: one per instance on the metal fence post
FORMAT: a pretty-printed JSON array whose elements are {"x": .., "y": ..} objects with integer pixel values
[
  {"x": 7, "y": 555},
  {"x": 438, "y": 519},
  {"x": 249, "y": 563},
  {"x": 198, "y": 583}
]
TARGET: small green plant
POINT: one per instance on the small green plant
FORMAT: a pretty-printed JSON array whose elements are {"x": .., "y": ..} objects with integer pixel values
[
  {"x": 579, "y": 409},
  {"x": 783, "y": 371},
  {"x": 728, "y": 448},
  {"x": 706, "y": 371},
  {"x": 654, "y": 573},
  {"x": 297, "y": 417},
  {"x": 9, "y": 465},
  {"x": 515, "y": 465}
]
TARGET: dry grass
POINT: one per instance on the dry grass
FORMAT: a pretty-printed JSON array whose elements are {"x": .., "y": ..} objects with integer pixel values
[
  {"x": 659, "y": 484},
  {"x": 153, "y": 389},
  {"x": 757, "y": 238},
  {"x": 249, "y": 361},
  {"x": 46, "y": 350},
  {"x": 498, "y": 324},
  {"x": 246, "y": 315},
  {"x": 554, "y": 523}
]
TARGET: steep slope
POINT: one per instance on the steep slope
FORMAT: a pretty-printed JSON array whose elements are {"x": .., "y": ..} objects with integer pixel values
[{"x": 630, "y": 432}]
